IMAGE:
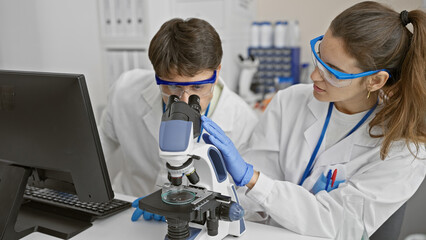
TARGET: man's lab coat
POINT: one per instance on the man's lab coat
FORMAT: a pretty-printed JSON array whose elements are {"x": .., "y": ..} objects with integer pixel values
[{"x": 131, "y": 122}]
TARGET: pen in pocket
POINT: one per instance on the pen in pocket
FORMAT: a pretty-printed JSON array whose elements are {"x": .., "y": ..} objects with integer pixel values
[
  {"x": 328, "y": 179},
  {"x": 333, "y": 178}
]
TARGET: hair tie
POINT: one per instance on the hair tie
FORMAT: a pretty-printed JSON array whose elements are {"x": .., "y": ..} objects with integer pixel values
[{"x": 404, "y": 18}]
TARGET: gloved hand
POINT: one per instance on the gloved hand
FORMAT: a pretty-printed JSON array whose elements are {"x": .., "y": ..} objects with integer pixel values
[
  {"x": 146, "y": 215},
  {"x": 240, "y": 171}
]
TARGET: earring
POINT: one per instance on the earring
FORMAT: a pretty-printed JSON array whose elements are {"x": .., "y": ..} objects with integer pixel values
[{"x": 368, "y": 95}]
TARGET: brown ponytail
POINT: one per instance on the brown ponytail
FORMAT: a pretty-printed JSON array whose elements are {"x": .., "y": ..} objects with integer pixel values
[{"x": 378, "y": 38}]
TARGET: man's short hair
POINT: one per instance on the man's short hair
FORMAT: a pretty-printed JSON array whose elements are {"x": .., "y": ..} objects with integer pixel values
[{"x": 185, "y": 48}]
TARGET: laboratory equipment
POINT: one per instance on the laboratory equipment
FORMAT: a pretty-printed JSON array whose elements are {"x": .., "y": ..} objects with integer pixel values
[
  {"x": 305, "y": 73},
  {"x": 210, "y": 199},
  {"x": 266, "y": 35},
  {"x": 50, "y": 141},
  {"x": 278, "y": 68},
  {"x": 292, "y": 38},
  {"x": 248, "y": 72},
  {"x": 278, "y": 56},
  {"x": 280, "y": 32},
  {"x": 255, "y": 35}
]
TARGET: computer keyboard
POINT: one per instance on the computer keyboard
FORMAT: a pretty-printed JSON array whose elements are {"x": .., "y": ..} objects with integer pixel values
[{"x": 70, "y": 201}]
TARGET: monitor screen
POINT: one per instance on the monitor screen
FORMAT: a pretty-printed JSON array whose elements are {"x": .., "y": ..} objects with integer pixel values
[{"x": 48, "y": 130}]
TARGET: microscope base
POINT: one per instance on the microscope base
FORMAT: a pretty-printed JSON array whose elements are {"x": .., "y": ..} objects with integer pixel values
[{"x": 206, "y": 208}]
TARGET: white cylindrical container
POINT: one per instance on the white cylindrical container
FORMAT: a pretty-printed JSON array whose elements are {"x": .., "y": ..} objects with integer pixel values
[
  {"x": 293, "y": 34},
  {"x": 279, "y": 34},
  {"x": 266, "y": 35},
  {"x": 255, "y": 35}
]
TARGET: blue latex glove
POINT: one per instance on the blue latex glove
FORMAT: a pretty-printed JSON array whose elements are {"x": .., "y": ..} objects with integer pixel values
[
  {"x": 146, "y": 215},
  {"x": 240, "y": 171}
]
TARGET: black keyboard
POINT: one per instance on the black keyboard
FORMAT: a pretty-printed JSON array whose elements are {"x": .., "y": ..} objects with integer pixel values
[{"x": 68, "y": 201}]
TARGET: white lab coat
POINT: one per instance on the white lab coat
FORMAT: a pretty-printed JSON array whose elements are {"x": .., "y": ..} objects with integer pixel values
[
  {"x": 281, "y": 146},
  {"x": 131, "y": 121}
]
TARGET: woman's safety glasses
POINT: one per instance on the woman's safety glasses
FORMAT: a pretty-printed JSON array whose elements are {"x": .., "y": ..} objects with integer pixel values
[
  {"x": 201, "y": 88},
  {"x": 334, "y": 77}
]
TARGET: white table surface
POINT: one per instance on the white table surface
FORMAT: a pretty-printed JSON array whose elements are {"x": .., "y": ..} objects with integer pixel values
[{"x": 120, "y": 226}]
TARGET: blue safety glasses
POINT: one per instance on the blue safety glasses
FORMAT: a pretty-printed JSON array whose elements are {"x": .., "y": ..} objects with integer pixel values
[
  {"x": 212, "y": 79},
  {"x": 334, "y": 77},
  {"x": 200, "y": 88}
]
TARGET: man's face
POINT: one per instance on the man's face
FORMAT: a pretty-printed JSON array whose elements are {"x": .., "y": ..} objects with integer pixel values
[{"x": 204, "y": 91}]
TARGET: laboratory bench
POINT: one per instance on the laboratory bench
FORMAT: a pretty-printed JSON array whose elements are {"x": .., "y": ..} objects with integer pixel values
[{"x": 120, "y": 226}]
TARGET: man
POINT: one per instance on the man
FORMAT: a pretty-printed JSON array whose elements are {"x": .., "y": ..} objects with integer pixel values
[{"x": 186, "y": 56}]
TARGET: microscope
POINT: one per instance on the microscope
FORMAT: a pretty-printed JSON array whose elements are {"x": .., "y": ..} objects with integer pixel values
[
  {"x": 204, "y": 205},
  {"x": 248, "y": 79}
]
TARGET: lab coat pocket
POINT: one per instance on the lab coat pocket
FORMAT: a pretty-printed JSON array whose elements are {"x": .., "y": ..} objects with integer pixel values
[{"x": 322, "y": 182}]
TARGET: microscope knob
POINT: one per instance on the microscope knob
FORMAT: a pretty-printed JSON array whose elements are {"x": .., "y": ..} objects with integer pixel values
[{"x": 231, "y": 212}]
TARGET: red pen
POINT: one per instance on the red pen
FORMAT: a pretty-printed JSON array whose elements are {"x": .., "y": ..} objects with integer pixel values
[{"x": 333, "y": 178}]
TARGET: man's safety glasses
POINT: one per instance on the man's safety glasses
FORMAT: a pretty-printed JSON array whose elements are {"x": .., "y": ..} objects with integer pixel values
[
  {"x": 201, "y": 88},
  {"x": 334, "y": 77}
]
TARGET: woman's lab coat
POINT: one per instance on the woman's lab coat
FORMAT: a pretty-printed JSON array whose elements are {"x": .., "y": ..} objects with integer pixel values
[
  {"x": 280, "y": 148},
  {"x": 131, "y": 121}
]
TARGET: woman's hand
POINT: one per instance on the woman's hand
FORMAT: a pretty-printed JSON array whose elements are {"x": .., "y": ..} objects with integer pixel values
[{"x": 240, "y": 171}]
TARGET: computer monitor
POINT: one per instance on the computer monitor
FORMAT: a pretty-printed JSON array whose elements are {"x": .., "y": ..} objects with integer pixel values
[{"x": 48, "y": 138}]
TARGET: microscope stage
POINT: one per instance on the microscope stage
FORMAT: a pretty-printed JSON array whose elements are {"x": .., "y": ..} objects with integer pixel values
[{"x": 195, "y": 210}]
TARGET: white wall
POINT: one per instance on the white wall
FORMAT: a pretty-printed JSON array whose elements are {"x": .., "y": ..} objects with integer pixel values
[
  {"x": 19, "y": 39},
  {"x": 53, "y": 36}
]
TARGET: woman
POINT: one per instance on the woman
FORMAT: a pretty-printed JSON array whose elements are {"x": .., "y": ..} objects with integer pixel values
[{"x": 361, "y": 132}]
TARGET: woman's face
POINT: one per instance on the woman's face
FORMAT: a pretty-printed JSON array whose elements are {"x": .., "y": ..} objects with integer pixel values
[{"x": 332, "y": 52}]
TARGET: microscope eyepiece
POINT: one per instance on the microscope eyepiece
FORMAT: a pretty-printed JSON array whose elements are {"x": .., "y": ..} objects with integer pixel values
[
  {"x": 194, "y": 103},
  {"x": 172, "y": 99}
]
